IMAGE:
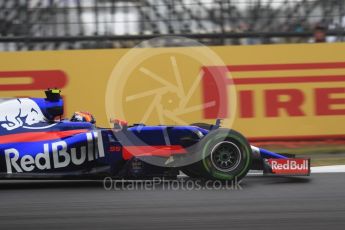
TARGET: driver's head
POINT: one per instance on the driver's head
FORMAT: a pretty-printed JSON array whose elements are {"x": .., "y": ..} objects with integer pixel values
[{"x": 83, "y": 117}]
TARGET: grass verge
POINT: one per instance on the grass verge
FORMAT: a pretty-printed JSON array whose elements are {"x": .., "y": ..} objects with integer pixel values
[{"x": 320, "y": 154}]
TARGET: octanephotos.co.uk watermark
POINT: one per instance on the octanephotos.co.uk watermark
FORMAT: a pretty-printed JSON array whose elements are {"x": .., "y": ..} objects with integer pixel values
[{"x": 184, "y": 184}]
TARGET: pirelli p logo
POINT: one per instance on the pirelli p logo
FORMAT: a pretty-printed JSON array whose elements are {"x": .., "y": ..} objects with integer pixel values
[
  {"x": 32, "y": 80},
  {"x": 31, "y": 83}
]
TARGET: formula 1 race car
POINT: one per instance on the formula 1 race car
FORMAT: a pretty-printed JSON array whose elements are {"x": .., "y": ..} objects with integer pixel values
[{"x": 35, "y": 144}]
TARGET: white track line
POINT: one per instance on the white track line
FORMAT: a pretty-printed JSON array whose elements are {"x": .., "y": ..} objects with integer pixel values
[{"x": 328, "y": 169}]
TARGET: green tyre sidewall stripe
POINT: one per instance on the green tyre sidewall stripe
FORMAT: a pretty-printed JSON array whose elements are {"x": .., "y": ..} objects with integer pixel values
[{"x": 222, "y": 135}]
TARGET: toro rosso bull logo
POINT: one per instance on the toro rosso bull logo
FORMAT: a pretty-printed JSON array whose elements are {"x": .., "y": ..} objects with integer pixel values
[{"x": 23, "y": 112}]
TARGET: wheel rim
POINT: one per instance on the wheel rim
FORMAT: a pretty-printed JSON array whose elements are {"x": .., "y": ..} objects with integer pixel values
[{"x": 225, "y": 156}]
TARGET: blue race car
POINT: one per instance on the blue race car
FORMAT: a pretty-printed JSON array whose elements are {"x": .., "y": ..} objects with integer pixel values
[{"x": 35, "y": 144}]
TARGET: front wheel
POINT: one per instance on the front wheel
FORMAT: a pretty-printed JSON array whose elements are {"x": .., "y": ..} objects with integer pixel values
[{"x": 224, "y": 155}]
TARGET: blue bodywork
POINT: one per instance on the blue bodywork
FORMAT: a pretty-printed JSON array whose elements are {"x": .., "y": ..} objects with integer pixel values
[{"x": 33, "y": 144}]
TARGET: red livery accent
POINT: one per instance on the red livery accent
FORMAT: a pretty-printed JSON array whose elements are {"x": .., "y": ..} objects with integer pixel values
[
  {"x": 296, "y": 166},
  {"x": 158, "y": 150},
  {"x": 39, "y": 136}
]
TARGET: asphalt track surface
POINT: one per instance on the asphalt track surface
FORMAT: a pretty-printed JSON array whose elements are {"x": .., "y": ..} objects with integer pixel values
[{"x": 263, "y": 203}]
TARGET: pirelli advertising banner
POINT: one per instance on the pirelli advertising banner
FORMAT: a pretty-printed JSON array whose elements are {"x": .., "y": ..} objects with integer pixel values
[{"x": 267, "y": 92}]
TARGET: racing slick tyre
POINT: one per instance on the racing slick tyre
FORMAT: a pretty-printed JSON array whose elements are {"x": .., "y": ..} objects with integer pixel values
[{"x": 225, "y": 155}]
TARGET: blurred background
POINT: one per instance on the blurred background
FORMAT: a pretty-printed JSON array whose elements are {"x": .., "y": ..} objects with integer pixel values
[
  {"x": 90, "y": 24},
  {"x": 54, "y": 25},
  {"x": 288, "y": 57}
]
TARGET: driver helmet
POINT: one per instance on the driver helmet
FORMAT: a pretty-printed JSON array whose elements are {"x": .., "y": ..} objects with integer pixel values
[{"x": 83, "y": 117}]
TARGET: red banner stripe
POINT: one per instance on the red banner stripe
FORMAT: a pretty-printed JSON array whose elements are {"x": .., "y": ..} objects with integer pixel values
[
  {"x": 291, "y": 79},
  {"x": 292, "y": 66}
]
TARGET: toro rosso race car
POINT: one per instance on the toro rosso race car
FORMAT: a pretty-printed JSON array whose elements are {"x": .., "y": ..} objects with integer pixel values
[{"x": 36, "y": 143}]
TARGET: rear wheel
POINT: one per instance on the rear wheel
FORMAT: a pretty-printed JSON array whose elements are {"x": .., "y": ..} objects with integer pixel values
[{"x": 224, "y": 155}]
